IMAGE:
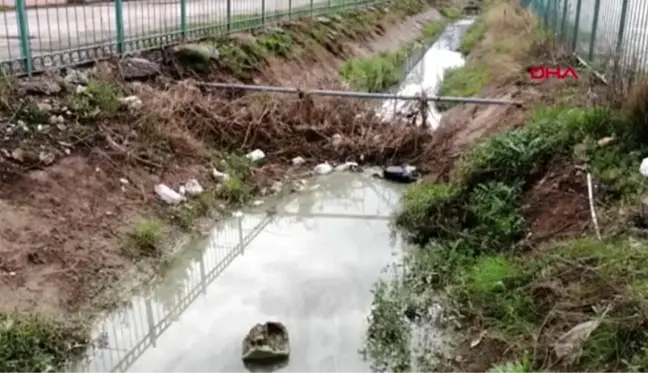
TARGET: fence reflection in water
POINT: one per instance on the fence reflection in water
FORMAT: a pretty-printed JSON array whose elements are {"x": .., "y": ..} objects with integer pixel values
[{"x": 125, "y": 335}]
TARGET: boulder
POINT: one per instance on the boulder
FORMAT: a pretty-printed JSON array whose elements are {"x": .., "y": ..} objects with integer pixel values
[{"x": 267, "y": 342}]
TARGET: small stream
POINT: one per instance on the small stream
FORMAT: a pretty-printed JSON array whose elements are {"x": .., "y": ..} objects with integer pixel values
[
  {"x": 310, "y": 263},
  {"x": 428, "y": 71}
]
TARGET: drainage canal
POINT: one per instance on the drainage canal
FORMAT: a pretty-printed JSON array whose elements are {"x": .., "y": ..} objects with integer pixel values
[{"x": 309, "y": 262}]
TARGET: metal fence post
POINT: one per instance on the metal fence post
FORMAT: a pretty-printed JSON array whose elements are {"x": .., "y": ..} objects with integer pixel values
[
  {"x": 203, "y": 274},
  {"x": 23, "y": 29},
  {"x": 597, "y": 10},
  {"x": 183, "y": 18},
  {"x": 263, "y": 12},
  {"x": 622, "y": 26},
  {"x": 229, "y": 15},
  {"x": 312, "y": 8},
  {"x": 574, "y": 41},
  {"x": 564, "y": 20},
  {"x": 289, "y": 9},
  {"x": 241, "y": 235},
  {"x": 150, "y": 321},
  {"x": 119, "y": 25}
]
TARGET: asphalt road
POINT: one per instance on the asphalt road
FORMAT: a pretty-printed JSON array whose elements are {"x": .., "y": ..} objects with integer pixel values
[{"x": 70, "y": 27}]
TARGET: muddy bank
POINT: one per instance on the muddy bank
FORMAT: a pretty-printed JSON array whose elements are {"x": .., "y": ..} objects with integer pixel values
[
  {"x": 504, "y": 228},
  {"x": 83, "y": 151}
]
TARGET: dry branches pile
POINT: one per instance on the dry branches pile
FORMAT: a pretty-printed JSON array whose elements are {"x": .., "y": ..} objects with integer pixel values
[{"x": 283, "y": 126}]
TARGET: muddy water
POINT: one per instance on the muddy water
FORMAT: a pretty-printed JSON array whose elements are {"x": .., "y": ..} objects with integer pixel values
[
  {"x": 309, "y": 261},
  {"x": 311, "y": 265},
  {"x": 426, "y": 75}
]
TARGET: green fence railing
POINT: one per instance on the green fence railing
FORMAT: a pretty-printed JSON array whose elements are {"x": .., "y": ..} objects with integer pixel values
[
  {"x": 42, "y": 34},
  {"x": 602, "y": 32}
]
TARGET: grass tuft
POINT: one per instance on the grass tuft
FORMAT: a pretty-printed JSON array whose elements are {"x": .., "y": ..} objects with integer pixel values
[
  {"x": 146, "y": 238},
  {"x": 36, "y": 343}
]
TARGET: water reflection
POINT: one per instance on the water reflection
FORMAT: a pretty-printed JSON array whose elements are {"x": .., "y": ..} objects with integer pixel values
[{"x": 312, "y": 264}]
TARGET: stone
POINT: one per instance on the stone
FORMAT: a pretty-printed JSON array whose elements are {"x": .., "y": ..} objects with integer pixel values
[
  {"x": 44, "y": 107},
  {"x": 200, "y": 53},
  {"x": 336, "y": 140},
  {"x": 76, "y": 77},
  {"x": 267, "y": 342},
  {"x": 193, "y": 188},
  {"x": 46, "y": 158},
  {"x": 18, "y": 155},
  {"x": 138, "y": 68},
  {"x": 276, "y": 187},
  {"x": 132, "y": 102},
  {"x": 39, "y": 85},
  {"x": 298, "y": 161}
]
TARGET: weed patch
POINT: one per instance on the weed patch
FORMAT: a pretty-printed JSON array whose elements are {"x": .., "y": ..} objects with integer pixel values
[
  {"x": 464, "y": 81},
  {"x": 450, "y": 12},
  {"x": 34, "y": 343},
  {"x": 146, "y": 238},
  {"x": 473, "y": 247},
  {"x": 432, "y": 31},
  {"x": 375, "y": 74},
  {"x": 473, "y": 36}
]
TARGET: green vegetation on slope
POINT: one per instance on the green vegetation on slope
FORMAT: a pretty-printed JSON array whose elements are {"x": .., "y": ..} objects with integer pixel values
[
  {"x": 382, "y": 72},
  {"x": 536, "y": 301},
  {"x": 472, "y": 229},
  {"x": 32, "y": 343},
  {"x": 513, "y": 32}
]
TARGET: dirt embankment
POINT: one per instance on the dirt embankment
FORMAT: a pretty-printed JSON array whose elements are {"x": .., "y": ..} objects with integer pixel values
[{"x": 79, "y": 163}]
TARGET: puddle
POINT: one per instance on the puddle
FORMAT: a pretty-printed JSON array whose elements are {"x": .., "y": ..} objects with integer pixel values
[
  {"x": 427, "y": 74},
  {"x": 311, "y": 265}
]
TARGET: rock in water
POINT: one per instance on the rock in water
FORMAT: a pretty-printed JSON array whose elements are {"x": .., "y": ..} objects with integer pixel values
[
  {"x": 401, "y": 174},
  {"x": 267, "y": 342}
]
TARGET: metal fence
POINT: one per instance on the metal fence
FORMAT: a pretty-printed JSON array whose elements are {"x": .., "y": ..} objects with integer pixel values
[
  {"x": 601, "y": 32},
  {"x": 40, "y": 37}
]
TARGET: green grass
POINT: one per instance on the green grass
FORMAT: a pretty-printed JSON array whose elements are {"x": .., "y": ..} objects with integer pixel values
[
  {"x": 473, "y": 36},
  {"x": 432, "y": 31},
  {"x": 450, "y": 12},
  {"x": 146, "y": 238},
  {"x": 374, "y": 74},
  {"x": 465, "y": 81},
  {"x": 467, "y": 233},
  {"x": 382, "y": 72},
  {"x": 36, "y": 343}
]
